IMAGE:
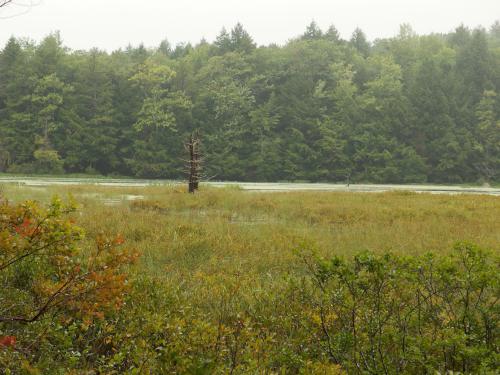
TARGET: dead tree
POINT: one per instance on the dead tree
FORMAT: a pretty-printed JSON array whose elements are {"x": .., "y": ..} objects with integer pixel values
[{"x": 194, "y": 163}]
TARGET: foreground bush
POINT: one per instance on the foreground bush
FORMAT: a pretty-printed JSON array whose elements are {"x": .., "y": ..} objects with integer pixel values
[
  {"x": 48, "y": 281},
  {"x": 373, "y": 314},
  {"x": 389, "y": 314}
]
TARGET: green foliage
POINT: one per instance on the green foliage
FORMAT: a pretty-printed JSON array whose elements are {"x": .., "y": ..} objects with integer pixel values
[
  {"x": 404, "y": 109},
  {"x": 47, "y": 98},
  {"x": 219, "y": 288},
  {"x": 393, "y": 314},
  {"x": 48, "y": 162},
  {"x": 155, "y": 112},
  {"x": 488, "y": 129}
]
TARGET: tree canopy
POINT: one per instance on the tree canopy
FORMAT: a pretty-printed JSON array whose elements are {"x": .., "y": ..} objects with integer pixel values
[{"x": 320, "y": 108}]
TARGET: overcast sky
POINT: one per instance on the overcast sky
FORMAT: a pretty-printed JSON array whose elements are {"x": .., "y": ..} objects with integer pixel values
[{"x": 111, "y": 24}]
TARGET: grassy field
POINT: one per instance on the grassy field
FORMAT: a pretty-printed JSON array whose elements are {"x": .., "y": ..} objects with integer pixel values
[
  {"x": 225, "y": 255},
  {"x": 259, "y": 230}
]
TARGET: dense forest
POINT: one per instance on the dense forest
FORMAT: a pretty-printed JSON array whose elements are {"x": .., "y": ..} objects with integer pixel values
[{"x": 319, "y": 108}]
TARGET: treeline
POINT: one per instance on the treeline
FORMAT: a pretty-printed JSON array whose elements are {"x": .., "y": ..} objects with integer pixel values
[{"x": 404, "y": 109}]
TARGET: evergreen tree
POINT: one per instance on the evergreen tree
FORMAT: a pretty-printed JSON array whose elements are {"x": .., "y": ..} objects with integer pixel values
[
  {"x": 312, "y": 32},
  {"x": 360, "y": 43},
  {"x": 332, "y": 34},
  {"x": 223, "y": 42},
  {"x": 241, "y": 41},
  {"x": 16, "y": 84},
  {"x": 488, "y": 134},
  {"x": 474, "y": 64}
]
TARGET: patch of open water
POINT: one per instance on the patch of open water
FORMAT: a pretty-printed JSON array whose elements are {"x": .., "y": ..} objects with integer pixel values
[{"x": 254, "y": 186}]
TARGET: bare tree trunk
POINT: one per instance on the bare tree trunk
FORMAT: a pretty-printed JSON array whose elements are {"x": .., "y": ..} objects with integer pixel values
[{"x": 194, "y": 163}]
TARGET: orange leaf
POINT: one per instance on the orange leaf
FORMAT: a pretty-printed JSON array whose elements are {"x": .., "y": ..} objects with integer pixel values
[{"x": 7, "y": 341}]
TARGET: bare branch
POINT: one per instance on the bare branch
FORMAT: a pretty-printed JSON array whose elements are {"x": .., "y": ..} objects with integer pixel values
[
  {"x": 42, "y": 310},
  {"x": 29, "y": 253},
  {"x": 19, "y": 7},
  {"x": 5, "y": 3}
]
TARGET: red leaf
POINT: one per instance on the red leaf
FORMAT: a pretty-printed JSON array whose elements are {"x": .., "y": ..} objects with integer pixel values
[{"x": 7, "y": 341}]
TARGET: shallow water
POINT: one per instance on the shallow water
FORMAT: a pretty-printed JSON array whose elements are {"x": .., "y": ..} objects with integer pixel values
[{"x": 253, "y": 186}]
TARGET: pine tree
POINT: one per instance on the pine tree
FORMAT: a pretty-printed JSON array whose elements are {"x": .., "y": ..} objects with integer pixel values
[
  {"x": 360, "y": 43},
  {"x": 241, "y": 41},
  {"x": 312, "y": 32}
]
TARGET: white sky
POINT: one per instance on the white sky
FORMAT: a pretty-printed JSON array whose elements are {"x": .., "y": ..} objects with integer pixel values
[{"x": 111, "y": 24}]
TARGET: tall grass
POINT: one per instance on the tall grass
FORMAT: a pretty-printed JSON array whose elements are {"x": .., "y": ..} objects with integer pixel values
[{"x": 225, "y": 230}]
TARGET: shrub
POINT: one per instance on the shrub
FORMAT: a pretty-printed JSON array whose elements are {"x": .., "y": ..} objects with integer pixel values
[
  {"x": 48, "y": 281},
  {"x": 394, "y": 314}
]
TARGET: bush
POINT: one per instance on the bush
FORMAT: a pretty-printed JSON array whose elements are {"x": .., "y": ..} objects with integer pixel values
[
  {"x": 49, "y": 282},
  {"x": 393, "y": 314}
]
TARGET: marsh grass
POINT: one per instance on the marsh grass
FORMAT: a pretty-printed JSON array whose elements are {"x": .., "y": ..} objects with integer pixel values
[{"x": 226, "y": 231}]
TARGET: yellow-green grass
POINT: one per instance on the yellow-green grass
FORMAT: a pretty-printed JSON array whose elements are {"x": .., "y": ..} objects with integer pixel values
[{"x": 232, "y": 232}]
